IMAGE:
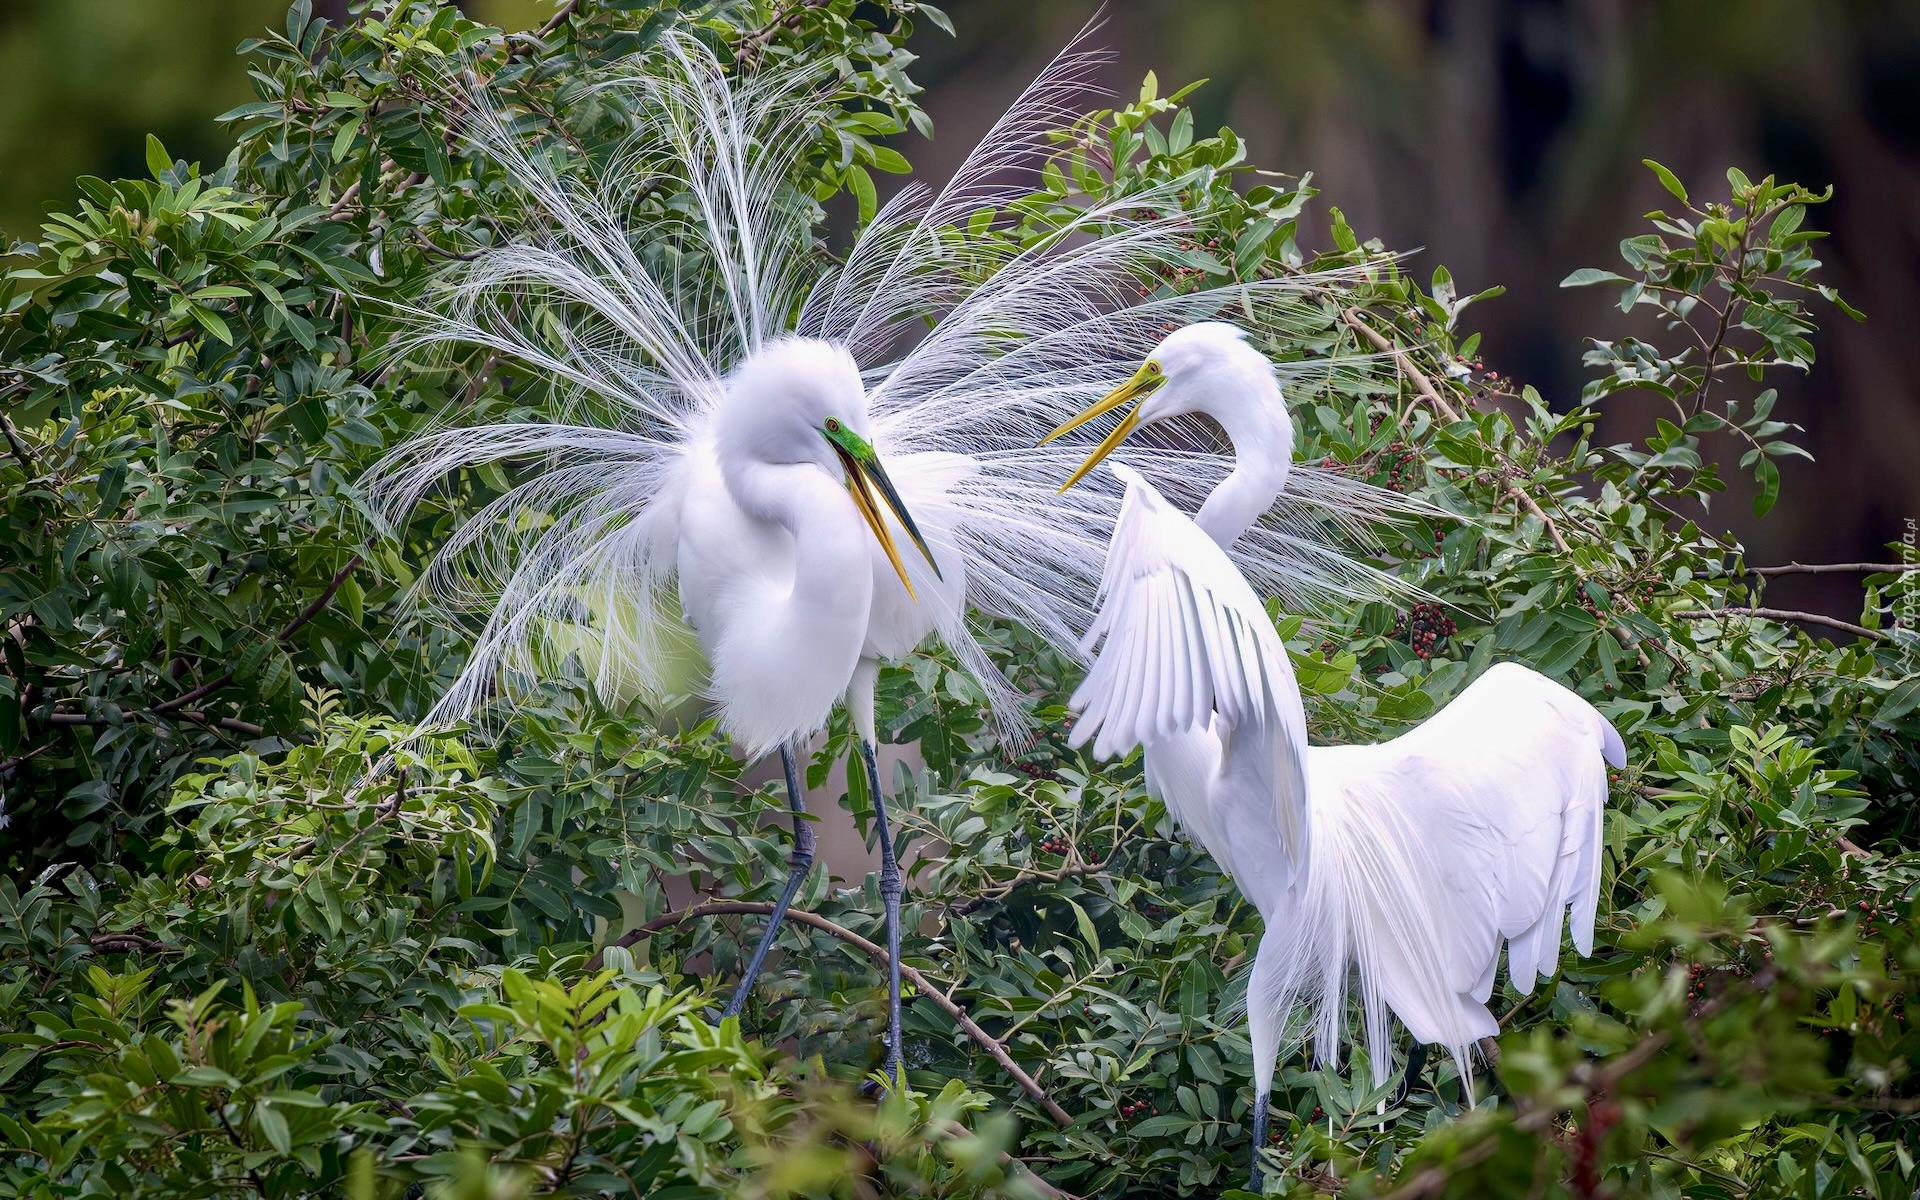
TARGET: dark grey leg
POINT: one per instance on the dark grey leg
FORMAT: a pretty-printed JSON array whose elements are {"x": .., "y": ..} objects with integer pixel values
[
  {"x": 799, "y": 863},
  {"x": 890, "y": 890},
  {"x": 1416, "y": 1059},
  {"x": 1259, "y": 1137}
]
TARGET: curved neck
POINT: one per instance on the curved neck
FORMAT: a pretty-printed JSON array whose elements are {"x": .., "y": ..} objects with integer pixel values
[
  {"x": 1262, "y": 437},
  {"x": 832, "y": 576}
]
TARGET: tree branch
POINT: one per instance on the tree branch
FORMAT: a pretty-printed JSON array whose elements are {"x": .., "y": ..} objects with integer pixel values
[
  {"x": 1779, "y": 614},
  {"x": 1796, "y": 568},
  {"x": 921, "y": 983},
  {"x": 308, "y": 613},
  {"x": 17, "y": 447},
  {"x": 190, "y": 714}
]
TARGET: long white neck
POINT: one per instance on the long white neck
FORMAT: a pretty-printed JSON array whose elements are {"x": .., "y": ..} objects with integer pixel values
[{"x": 1262, "y": 437}]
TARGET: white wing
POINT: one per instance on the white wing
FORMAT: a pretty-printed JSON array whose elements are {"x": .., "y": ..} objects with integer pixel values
[
  {"x": 1188, "y": 645},
  {"x": 1479, "y": 828}
]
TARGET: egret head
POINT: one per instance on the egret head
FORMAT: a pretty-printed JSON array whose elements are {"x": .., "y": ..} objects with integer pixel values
[
  {"x": 1193, "y": 369},
  {"x": 800, "y": 401}
]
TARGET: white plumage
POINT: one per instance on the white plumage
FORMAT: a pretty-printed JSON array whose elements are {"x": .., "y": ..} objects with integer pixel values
[
  {"x": 1410, "y": 863},
  {"x": 1478, "y": 827},
  {"x": 692, "y": 514},
  {"x": 640, "y": 320}
]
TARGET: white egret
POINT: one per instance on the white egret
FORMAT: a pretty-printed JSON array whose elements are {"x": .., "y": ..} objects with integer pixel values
[
  {"x": 1412, "y": 860},
  {"x": 692, "y": 517}
]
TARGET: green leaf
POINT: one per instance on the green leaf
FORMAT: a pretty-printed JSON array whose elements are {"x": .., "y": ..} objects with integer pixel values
[
  {"x": 861, "y": 185},
  {"x": 1902, "y": 700},
  {"x": 159, "y": 162},
  {"x": 273, "y": 1127},
  {"x": 1088, "y": 934},
  {"x": 1667, "y": 178},
  {"x": 1591, "y": 275},
  {"x": 1767, "y": 475}
]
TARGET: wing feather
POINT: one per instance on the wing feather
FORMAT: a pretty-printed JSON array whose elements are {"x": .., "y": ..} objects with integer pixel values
[
  {"x": 1479, "y": 828},
  {"x": 1183, "y": 641}
]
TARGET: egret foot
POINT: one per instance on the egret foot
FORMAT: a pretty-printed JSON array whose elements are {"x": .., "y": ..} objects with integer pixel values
[
  {"x": 1259, "y": 1139},
  {"x": 890, "y": 892},
  {"x": 798, "y": 864},
  {"x": 1416, "y": 1059}
]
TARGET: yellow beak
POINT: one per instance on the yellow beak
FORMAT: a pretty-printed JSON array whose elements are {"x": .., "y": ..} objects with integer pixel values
[
  {"x": 1144, "y": 380},
  {"x": 863, "y": 478}
]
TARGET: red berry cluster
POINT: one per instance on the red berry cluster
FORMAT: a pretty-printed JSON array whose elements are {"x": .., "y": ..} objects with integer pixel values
[
  {"x": 1138, "y": 1108},
  {"x": 1439, "y": 544},
  {"x": 1871, "y": 915},
  {"x": 1634, "y": 593},
  {"x": 1056, "y": 843},
  {"x": 1425, "y": 628},
  {"x": 1697, "y": 980},
  {"x": 1400, "y": 460},
  {"x": 1319, "y": 1114},
  {"x": 1276, "y": 1138}
]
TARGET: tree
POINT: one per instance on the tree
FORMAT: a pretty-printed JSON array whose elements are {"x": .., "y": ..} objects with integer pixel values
[{"x": 229, "y": 964}]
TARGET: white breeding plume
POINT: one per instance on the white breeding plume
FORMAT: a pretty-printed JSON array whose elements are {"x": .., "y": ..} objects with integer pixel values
[
  {"x": 1413, "y": 861},
  {"x": 640, "y": 322},
  {"x": 725, "y": 410}
]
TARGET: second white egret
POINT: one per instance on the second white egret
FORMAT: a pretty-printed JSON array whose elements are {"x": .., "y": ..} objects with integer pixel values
[{"x": 1413, "y": 861}]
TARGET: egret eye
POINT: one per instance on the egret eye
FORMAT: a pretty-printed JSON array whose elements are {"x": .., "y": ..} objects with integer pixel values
[
  {"x": 833, "y": 424},
  {"x": 1153, "y": 368}
]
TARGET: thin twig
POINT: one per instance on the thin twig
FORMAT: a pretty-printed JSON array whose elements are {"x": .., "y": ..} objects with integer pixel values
[
  {"x": 346, "y": 198},
  {"x": 123, "y": 943},
  {"x": 558, "y": 19},
  {"x": 450, "y": 255},
  {"x": 758, "y": 39},
  {"x": 1002, "y": 891},
  {"x": 9, "y": 766},
  {"x": 1835, "y": 569},
  {"x": 189, "y": 714},
  {"x": 521, "y": 43},
  {"x": 1779, "y": 614},
  {"x": 14, "y": 444},
  {"x": 921, "y": 984},
  {"x": 1426, "y": 388},
  {"x": 308, "y": 613}
]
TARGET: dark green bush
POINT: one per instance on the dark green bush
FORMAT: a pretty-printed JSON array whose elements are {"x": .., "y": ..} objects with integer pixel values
[{"x": 234, "y": 959}]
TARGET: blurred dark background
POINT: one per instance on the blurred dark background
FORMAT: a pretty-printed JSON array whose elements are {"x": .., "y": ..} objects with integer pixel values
[{"x": 1501, "y": 137}]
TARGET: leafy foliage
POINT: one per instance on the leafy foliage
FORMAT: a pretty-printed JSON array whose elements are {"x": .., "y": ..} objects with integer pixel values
[{"x": 232, "y": 964}]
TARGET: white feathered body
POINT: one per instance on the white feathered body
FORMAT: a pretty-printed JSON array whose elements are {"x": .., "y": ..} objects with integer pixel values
[{"x": 1408, "y": 865}]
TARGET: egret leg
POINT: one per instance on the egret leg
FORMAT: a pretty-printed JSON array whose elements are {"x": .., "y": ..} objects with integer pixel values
[
  {"x": 798, "y": 864},
  {"x": 890, "y": 891},
  {"x": 1416, "y": 1059},
  {"x": 1259, "y": 1137}
]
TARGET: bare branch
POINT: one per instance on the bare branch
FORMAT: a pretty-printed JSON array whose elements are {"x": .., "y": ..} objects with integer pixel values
[
  {"x": 1796, "y": 568},
  {"x": 1779, "y": 614},
  {"x": 1001, "y": 891},
  {"x": 308, "y": 613}
]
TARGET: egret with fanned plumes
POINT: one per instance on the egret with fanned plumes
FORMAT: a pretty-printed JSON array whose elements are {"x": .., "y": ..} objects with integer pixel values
[{"x": 1413, "y": 860}]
